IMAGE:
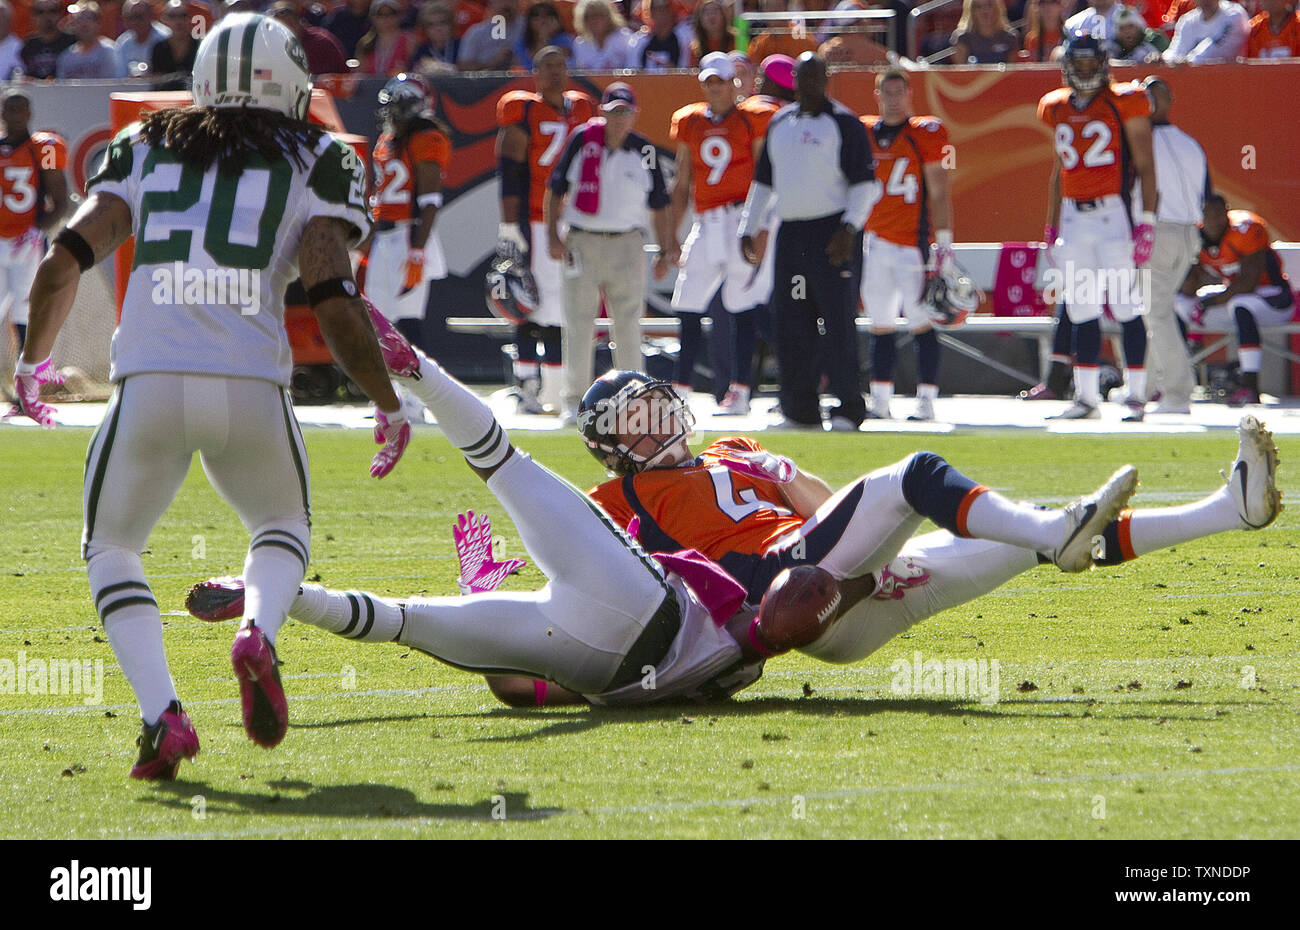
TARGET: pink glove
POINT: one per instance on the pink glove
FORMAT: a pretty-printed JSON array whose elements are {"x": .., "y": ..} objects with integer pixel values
[
  {"x": 1198, "y": 314},
  {"x": 394, "y": 432},
  {"x": 1144, "y": 239},
  {"x": 634, "y": 526},
  {"x": 478, "y": 572},
  {"x": 765, "y": 466},
  {"x": 27, "y": 387},
  {"x": 943, "y": 256}
]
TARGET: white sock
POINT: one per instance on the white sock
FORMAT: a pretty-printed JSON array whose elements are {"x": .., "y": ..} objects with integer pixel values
[
  {"x": 1251, "y": 359},
  {"x": 464, "y": 419},
  {"x": 1137, "y": 383},
  {"x": 992, "y": 516},
  {"x": 882, "y": 393},
  {"x": 133, "y": 626},
  {"x": 927, "y": 392},
  {"x": 1087, "y": 379},
  {"x": 277, "y": 558},
  {"x": 1150, "y": 530},
  {"x": 348, "y": 613}
]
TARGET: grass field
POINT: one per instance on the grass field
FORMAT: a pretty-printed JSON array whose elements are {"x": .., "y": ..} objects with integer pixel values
[{"x": 1157, "y": 699}]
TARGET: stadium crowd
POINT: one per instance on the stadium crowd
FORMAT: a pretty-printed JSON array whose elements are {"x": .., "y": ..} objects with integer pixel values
[{"x": 157, "y": 39}]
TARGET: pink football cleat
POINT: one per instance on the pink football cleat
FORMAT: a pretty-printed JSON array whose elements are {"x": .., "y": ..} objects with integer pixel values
[
  {"x": 216, "y": 599},
  {"x": 399, "y": 357},
  {"x": 163, "y": 745},
  {"x": 266, "y": 713}
]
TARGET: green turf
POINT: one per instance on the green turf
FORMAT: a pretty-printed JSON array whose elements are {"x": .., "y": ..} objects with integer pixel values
[{"x": 1093, "y": 735}]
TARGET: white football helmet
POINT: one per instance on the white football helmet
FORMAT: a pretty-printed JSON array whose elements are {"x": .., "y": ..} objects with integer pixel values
[{"x": 250, "y": 60}]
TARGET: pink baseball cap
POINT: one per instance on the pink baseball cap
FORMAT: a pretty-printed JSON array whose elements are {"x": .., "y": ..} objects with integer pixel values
[{"x": 779, "y": 69}]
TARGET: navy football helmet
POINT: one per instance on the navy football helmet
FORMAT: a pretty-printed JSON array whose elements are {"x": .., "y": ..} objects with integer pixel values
[
  {"x": 403, "y": 99},
  {"x": 950, "y": 296},
  {"x": 511, "y": 290},
  {"x": 610, "y": 414},
  {"x": 1079, "y": 50}
]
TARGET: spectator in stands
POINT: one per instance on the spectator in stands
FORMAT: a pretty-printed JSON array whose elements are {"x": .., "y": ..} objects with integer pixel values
[
  {"x": 604, "y": 42},
  {"x": 464, "y": 14},
  {"x": 983, "y": 36},
  {"x": 173, "y": 60},
  {"x": 41, "y": 51},
  {"x": 658, "y": 47},
  {"x": 487, "y": 47},
  {"x": 889, "y": 33},
  {"x": 92, "y": 57},
  {"x": 1175, "y": 11},
  {"x": 711, "y": 30},
  {"x": 135, "y": 44},
  {"x": 774, "y": 38},
  {"x": 437, "y": 53},
  {"x": 853, "y": 49},
  {"x": 1098, "y": 19},
  {"x": 11, "y": 61},
  {"x": 324, "y": 52},
  {"x": 387, "y": 48},
  {"x": 1274, "y": 33},
  {"x": 1214, "y": 31},
  {"x": 1131, "y": 42},
  {"x": 348, "y": 23},
  {"x": 542, "y": 27},
  {"x": 1044, "y": 29}
]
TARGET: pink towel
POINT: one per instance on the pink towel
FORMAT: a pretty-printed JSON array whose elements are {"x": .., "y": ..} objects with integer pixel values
[
  {"x": 587, "y": 199},
  {"x": 720, "y": 594}
]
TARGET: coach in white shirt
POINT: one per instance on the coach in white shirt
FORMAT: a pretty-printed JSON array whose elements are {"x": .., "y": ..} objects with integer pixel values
[
  {"x": 1183, "y": 180},
  {"x": 1214, "y": 31},
  {"x": 601, "y": 186}
]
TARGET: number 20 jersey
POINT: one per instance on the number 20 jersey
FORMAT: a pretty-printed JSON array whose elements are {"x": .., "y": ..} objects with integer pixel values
[{"x": 214, "y": 253}]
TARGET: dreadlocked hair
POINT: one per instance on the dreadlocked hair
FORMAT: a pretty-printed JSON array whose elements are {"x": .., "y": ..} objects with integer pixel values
[{"x": 200, "y": 136}]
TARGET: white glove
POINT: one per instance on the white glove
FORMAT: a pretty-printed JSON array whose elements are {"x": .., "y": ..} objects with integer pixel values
[{"x": 510, "y": 241}]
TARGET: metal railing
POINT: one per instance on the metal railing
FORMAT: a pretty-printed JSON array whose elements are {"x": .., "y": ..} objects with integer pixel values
[
  {"x": 914, "y": 23},
  {"x": 829, "y": 16}
]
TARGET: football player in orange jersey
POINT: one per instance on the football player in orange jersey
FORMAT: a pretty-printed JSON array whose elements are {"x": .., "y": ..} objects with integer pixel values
[
  {"x": 533, "y": 127},
  {"x": 915, "y": 211},
  {"x": 1238, "y": 283},
  {"x": 1101, "y": 139},
  {"x": 717, "y": 143},
  {"x": 405, "y": 253},
  {"x": 33, "y": 198}
]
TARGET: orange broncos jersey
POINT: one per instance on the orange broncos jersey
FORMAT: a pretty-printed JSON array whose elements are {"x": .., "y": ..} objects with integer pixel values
[
  {"x": 1262, "y": 43},
  {"x": 547, "y": 129},
  {"x": 1246, "y": 235},
  {"x": 703, "y": 506},
  {"x": 762, "y": 108},
  {"x": 20, "y": 187},
  {"x": 722, "y": 153},
  {"x": 395, "y": 176},
  {"x": 1094, "y": 153},
  {"x": 903, "y": 214}
]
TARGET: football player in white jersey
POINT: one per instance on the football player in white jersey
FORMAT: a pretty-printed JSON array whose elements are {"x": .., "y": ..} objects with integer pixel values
[{"x": 228, "y": 201}]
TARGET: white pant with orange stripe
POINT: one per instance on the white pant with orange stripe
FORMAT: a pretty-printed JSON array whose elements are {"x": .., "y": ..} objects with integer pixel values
[{"x": 1095, "y": 256}]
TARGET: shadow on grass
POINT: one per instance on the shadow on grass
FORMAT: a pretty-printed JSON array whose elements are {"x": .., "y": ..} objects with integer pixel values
[
  {"x": 379, "y": 802},
  {"x": 564, "y": 722}
]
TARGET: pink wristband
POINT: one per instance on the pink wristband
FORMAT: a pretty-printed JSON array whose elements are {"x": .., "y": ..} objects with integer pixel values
[
  {"x": 756, "y": 641},
  {"x": 539, "y": 690}
]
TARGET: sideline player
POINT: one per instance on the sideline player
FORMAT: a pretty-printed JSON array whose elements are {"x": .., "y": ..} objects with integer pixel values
[
  {"x": 533, "y": 129},
  {"x": 33, "y": 199},
  {"x": 237, "y": 186},
  {"x": 914, "y": 213},
  {"x": 1101, "y": 138},
  {"x": 405, "y": 254},
  {"x": 717, "y": 143},
  {"x": 1237, "y": 283}
]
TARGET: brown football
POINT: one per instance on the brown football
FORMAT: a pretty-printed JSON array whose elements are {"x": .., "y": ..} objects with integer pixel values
[{"x": 799, "y": 605}]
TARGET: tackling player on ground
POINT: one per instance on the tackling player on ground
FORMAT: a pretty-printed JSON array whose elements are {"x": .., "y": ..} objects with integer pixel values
[
  {"x": 239, "y": 184},
  {"x": 913, "y": 216},
  {"x": 533, "y": 129},
  {"x": 1101, "y": 138}
]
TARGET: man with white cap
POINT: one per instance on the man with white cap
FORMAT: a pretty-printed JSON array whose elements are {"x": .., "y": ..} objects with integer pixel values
[
  {"x": 601, "y": 186},
  {"x": 717, "y": 143}
]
